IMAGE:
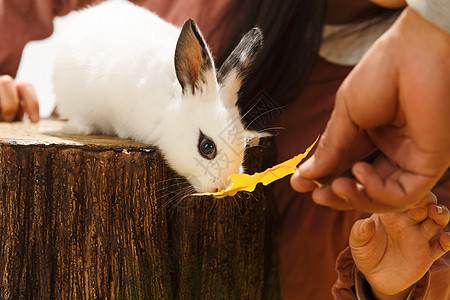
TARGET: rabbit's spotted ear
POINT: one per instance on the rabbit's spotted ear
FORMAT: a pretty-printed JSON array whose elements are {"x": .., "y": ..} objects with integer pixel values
[
  {"x": 234, "y": 69},
  {"x": 193, "y": 62}
]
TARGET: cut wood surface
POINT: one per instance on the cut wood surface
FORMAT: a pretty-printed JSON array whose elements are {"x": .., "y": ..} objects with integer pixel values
[{"x": 96, "y": 217}]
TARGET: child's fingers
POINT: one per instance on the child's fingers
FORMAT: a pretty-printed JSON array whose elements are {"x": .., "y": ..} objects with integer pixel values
[
  {"x": 20, "y": 114},
  {"x": 361, "y": 233},
  {"x": 438, "y": 218},
  {"x": 29, "y": 100},
  {"x": 439, "y": 213},
  {"x": 9, "y": 99},
  {"x": 440, "y": 246},
  {"x": 420, "y": 212}
]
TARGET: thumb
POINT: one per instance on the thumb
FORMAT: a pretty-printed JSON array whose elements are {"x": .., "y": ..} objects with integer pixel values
[
  {"x": 361, "y": 233},
  {"x": 366, "y": 99}
]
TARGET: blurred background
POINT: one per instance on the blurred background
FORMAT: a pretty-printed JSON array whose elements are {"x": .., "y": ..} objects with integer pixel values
[{"x": 36, "y": 67}]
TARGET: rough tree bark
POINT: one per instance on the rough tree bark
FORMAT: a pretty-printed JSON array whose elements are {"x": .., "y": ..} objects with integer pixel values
[{"x": 99, "y": 218}]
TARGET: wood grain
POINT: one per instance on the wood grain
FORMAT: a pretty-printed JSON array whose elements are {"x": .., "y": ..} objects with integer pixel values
[{"x": 95, "y": 217}]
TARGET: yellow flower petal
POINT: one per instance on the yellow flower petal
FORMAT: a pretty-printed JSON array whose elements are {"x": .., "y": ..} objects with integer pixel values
[{"x": 246, "y": 182}]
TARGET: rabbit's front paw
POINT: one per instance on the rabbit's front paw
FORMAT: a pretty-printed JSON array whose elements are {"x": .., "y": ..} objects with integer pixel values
[{"x": 74, "y": 127}]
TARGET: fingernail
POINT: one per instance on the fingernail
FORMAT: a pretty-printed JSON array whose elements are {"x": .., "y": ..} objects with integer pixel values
[{"x": 440, "y": 210}]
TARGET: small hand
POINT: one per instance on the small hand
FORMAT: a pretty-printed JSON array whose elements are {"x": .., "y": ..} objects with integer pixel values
[
  {"x": 16, "y": 99},
  {"x": 395, "y": 250}
]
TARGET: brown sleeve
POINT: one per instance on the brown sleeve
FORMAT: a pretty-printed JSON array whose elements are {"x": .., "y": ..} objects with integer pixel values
[
  {"x": 22, "y": 21},
  {"x": 343, "y": 288}
]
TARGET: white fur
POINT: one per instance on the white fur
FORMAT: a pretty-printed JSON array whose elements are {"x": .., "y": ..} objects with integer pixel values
[{"x": 114, "y": 74}]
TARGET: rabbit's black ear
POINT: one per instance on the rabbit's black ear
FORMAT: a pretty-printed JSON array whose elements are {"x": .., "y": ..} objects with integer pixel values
[
  {"x": 234, "y": 69},
  {"x": 194, "y": 66}
]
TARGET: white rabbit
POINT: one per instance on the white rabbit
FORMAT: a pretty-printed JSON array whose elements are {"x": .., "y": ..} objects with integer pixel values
[{"x": 121, "y": 70}]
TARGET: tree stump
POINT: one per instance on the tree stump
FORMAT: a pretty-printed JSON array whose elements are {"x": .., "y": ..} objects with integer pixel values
[{"x": 95, "y": 217}]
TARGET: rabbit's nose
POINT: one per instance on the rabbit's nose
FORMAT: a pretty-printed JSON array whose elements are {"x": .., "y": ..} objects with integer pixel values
[{"x": 221, "y": 185}]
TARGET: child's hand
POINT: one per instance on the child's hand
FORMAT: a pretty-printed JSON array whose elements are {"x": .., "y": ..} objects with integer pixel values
[
  {"x": 17, "y": 98},
  {"x": 394, "y": 250}
]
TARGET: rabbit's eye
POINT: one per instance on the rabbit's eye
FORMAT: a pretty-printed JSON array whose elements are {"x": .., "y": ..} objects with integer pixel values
[{"x": 206, "y": 147}]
